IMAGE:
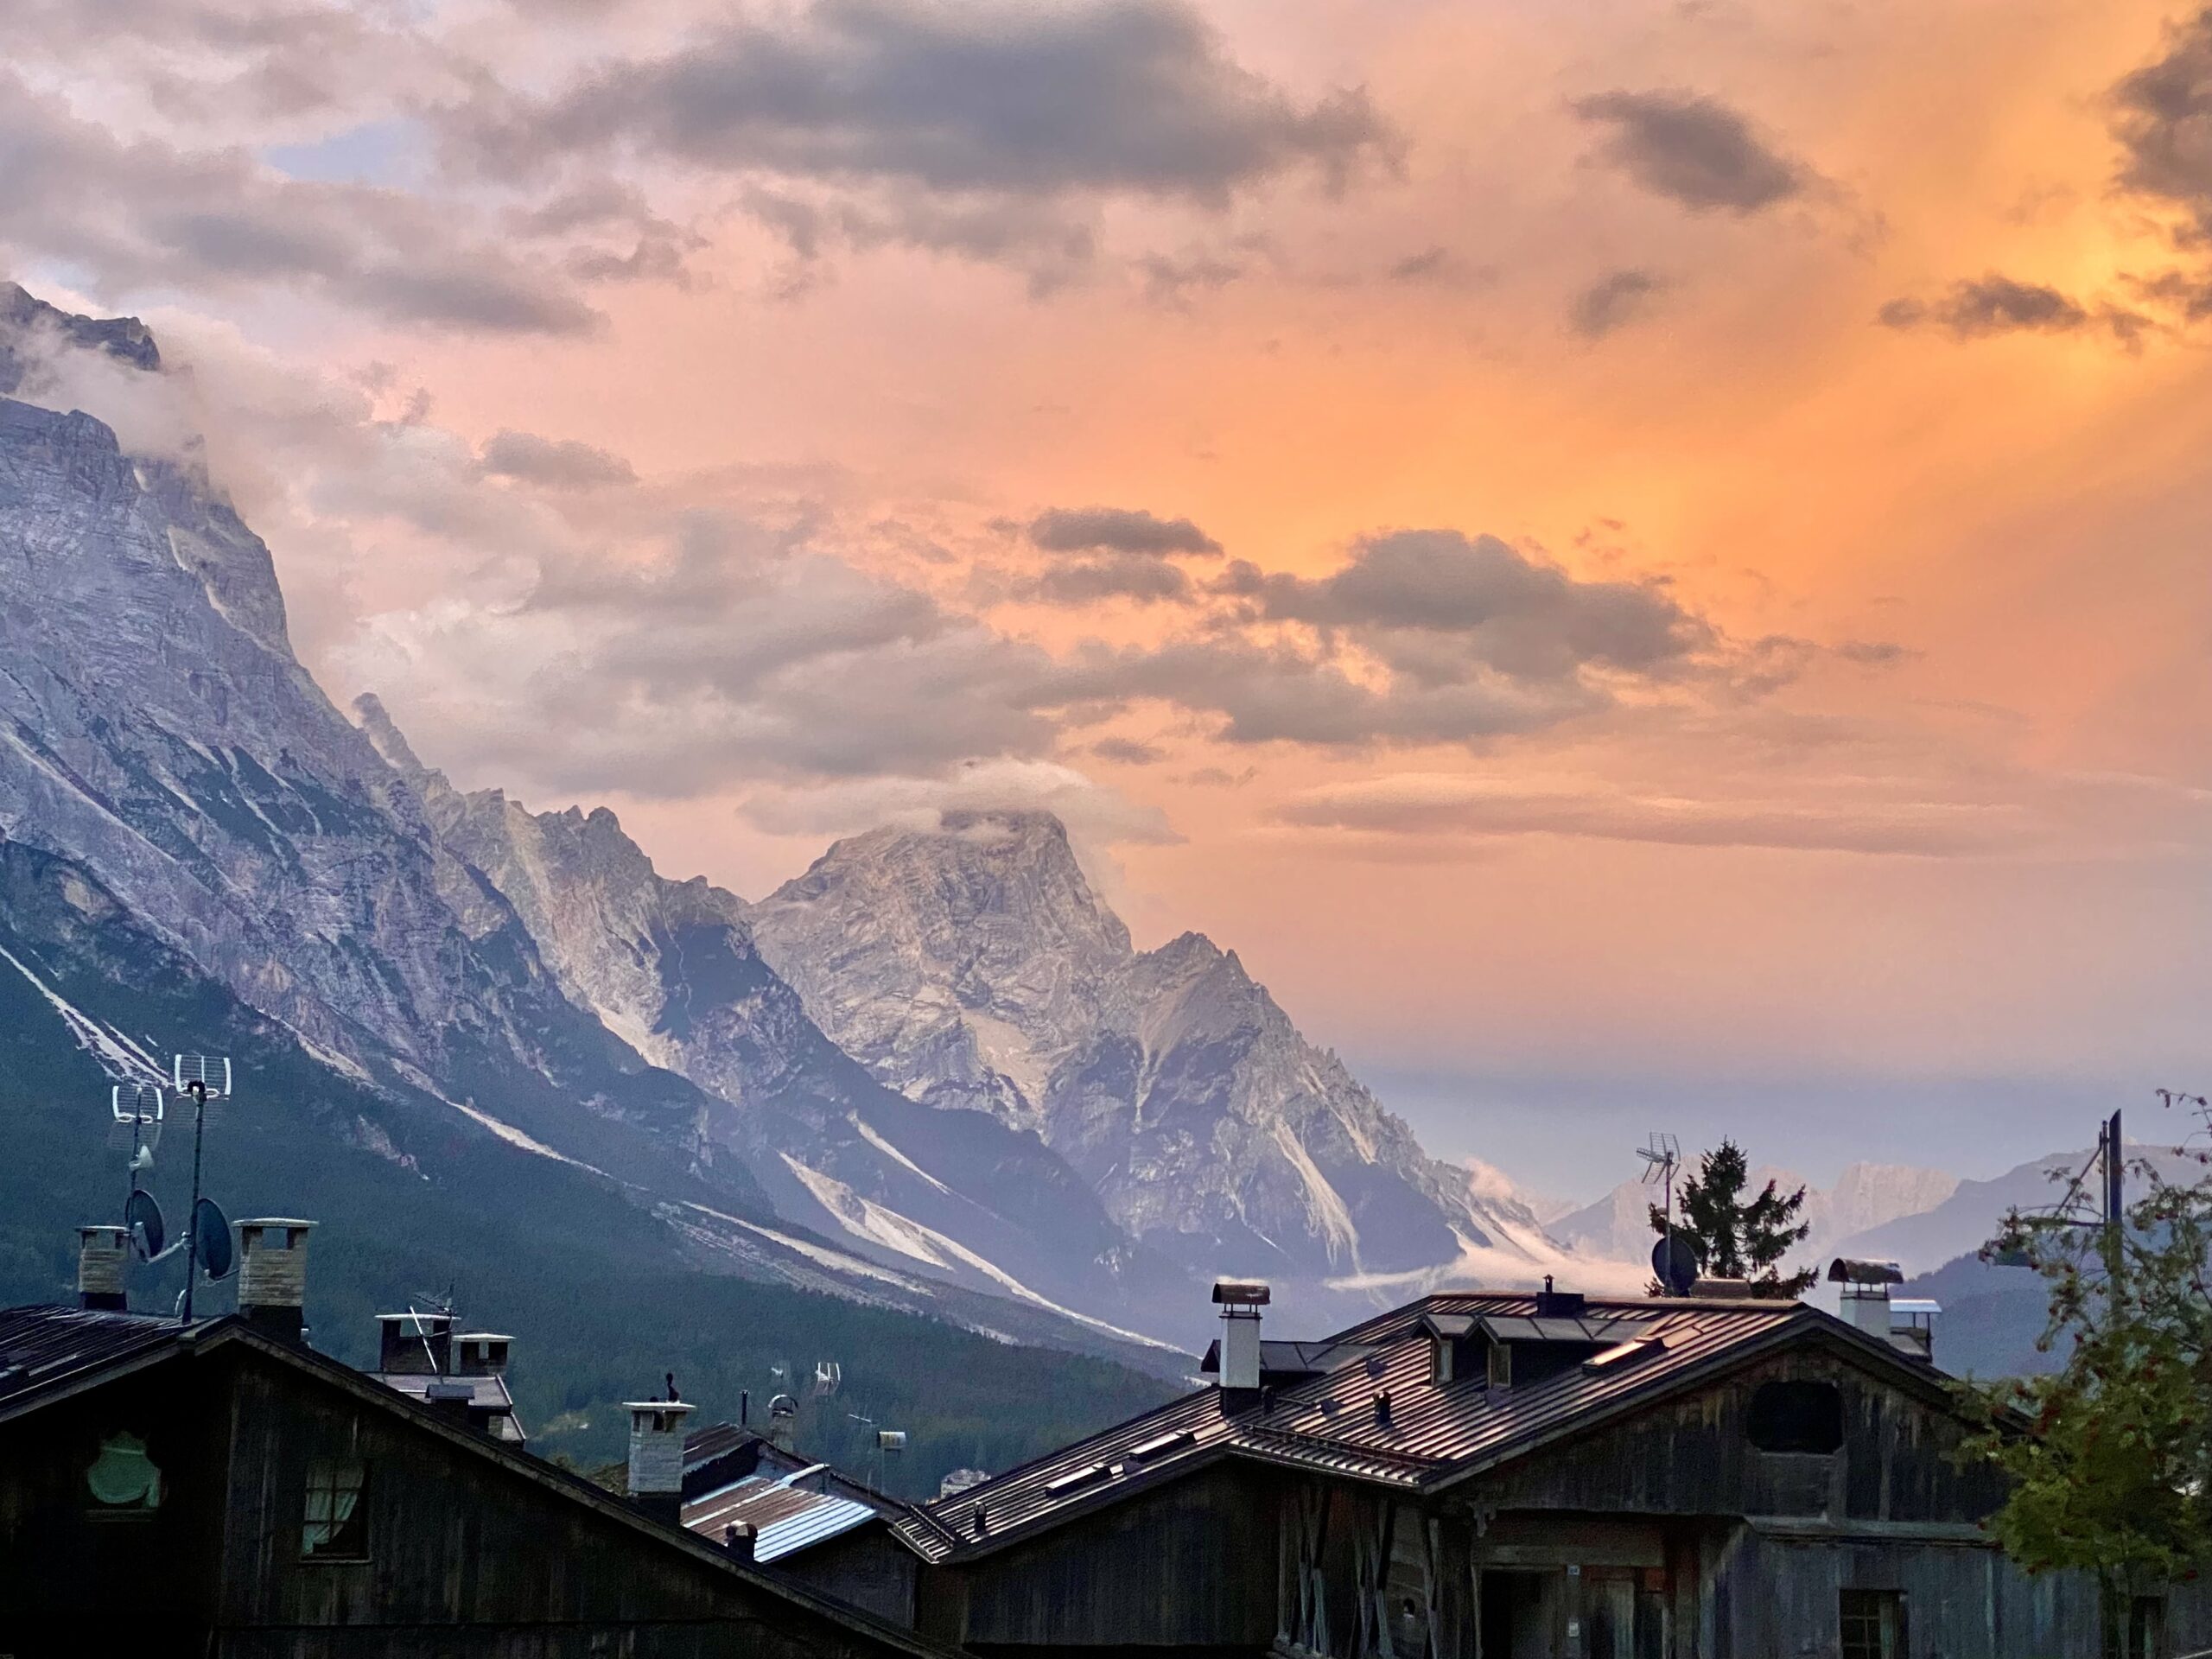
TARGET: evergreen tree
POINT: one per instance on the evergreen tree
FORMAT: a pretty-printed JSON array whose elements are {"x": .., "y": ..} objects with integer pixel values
[{"x": 1734, "y": 1239}]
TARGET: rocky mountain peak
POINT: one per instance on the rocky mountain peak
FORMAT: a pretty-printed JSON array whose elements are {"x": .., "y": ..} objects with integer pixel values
[{"x": 24, "y": 317}]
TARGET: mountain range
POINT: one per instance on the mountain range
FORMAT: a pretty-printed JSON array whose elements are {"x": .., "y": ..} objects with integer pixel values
[{"x": 933, "y": 1073}]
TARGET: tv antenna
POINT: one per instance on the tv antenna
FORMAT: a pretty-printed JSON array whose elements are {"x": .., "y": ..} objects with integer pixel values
[
  {"x": 206, "y": 1079},
  {"x": 137, "y": 1111},
  {"x": 1674, "y": 1261},
  {"x": 829, "y": 1377}
]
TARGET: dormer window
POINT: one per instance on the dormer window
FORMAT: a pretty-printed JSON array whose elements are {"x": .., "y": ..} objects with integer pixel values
[
  {"x": 1451, "y": 1353},
  {"x": 1501, "y": 1365}
]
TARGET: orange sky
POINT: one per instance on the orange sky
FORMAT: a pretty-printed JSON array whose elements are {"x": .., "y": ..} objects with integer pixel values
[{"x": 1951, "y": 847}]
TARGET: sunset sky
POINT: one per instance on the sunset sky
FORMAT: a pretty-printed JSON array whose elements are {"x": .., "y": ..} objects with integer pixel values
[{"x": 1647, "y": 565}]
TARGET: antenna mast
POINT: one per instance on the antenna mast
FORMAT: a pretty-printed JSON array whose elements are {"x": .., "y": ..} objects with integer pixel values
[{"x": 205, "y": 1077}]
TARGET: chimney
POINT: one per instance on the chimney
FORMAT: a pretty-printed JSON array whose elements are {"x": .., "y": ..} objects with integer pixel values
[
  {"x": 782, "y": 1421},
  {"x": 740, "y": 1539},
  {"x": 451, "y": 1400},
  {"x": 655, "y": 1482},
  {"x": 273, "y": 1276},
  {"x": 102, "y": 1253},
  {"x": 1240, "y": 1301},
  {"x": 415, "y": 1345},
  {"x": 1867, "y": 1293},
  {"x": 480, "y": 1353}
]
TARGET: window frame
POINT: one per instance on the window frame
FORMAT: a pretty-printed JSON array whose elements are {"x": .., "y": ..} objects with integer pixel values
[
  {"x": 349, "y": 1541},
  {"x": 1873, "y": 1602}
]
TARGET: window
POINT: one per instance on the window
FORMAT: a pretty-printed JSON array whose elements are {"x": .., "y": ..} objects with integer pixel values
[
  {"x": 1501, "y": 1365},
  {"x": 1796, "y": 1417},
  {"x": 123, "y": 1479},
  {"x": 2135, "y": 1627},
  {"x": 1873, "y": 1623},
  {"x": 1441, "y": 1356},
  {"x": 337, "y": 1519}
]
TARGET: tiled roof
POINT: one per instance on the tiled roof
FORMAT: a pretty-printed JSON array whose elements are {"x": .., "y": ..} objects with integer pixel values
[{"x": 1431, "y": 1433}]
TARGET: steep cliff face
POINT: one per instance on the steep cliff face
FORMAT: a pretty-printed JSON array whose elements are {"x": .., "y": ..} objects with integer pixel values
[
  {"x": 534, "y": 974},
  {"x": 156, "y": 730},
  {"x": 672, "y": 968},
  {"x": 971, "y": 963},
  {"x": 963, "y": 964}
]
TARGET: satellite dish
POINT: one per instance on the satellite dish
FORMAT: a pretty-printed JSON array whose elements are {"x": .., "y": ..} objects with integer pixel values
[
  {"x": 210, "y": 1239},
  {"x": 143, "y": 1217},
  {"x": 1674, "y": 1264}
]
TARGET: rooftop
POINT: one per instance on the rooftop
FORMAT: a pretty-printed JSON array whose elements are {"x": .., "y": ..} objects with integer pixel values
[{"x": 1327, "y": 1422}]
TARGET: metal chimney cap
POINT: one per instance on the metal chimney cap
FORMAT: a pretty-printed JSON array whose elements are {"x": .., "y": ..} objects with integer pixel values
[
  {"x": 1845, "y": 1271},
  {"x": 1251, "y": 1292}
]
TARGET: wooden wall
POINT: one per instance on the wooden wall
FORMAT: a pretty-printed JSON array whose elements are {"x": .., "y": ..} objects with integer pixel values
[
  {"x": 1694, "y": 1456},
  {"x": 467, "y": 1557},
  {"x": 1189, "y": 1564}
]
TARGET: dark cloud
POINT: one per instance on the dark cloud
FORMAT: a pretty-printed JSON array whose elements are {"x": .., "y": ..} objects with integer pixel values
[
  {"x": 2162, "y": 115},
  {"x": 1121, "y": 576},
  {"x": 145, "y": 215},
  {"x": 1118, "y": 529},
  {"x": 1134, "y": 96},
  {"x": 1127, "y": 752},
  {"x": 554, "y": 463},
  {"x": 1614, "y": 300},
  {"x": 1694, "y": 150},
  {"x": 1438, "y": 606},
  {"x": 1440, "y": 267},
  {"x": 1982, "y": 307}
]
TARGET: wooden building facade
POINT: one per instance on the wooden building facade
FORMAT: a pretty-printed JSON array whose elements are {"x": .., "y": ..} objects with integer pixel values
[
  {"x": 214, "y": 1491},
  {"x": 1499, "y": 1477}
]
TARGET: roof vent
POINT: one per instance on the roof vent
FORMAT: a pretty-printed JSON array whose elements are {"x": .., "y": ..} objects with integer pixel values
[{"x": 1382, "y": 1409}]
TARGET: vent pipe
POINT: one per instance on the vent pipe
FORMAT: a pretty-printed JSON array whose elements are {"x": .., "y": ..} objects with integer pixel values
[
  {"x": 656, "y": 1479},
  {"x": 102, "y": 1252},
  {"x": 1240, "y": 1301},
  {"x": 273, "y": 1276},
  {"x": 740, "y": 1539},
  {"x": 782, "y": 1421}
]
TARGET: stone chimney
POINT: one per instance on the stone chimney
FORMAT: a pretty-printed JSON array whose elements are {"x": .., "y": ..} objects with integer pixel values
[
  {"x": 480, "y": 1353},
  {"x": 414, "y": 1344},
  {"x": 1240, "y": 1301},
  {"x": 656, "y": 1482},
  {"x": 102, "y": 1253},
  {"x": 273, "y": 1276}
]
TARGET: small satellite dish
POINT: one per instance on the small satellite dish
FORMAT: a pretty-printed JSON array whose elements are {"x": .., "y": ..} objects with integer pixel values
[
  {"x": 1674, "y": 1264},
  {"x": 210, "y": 1239},
  {"x": 143, "y": 1217}
]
